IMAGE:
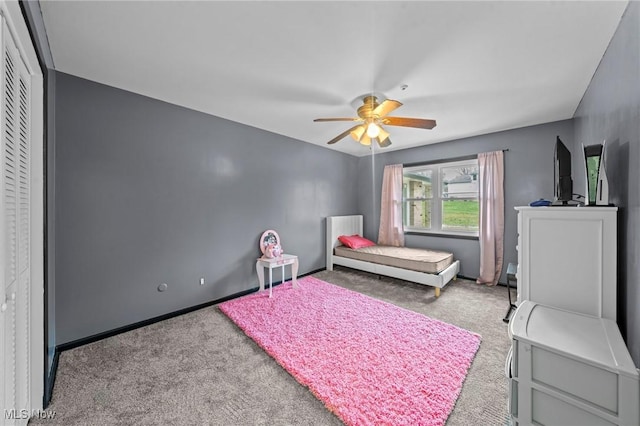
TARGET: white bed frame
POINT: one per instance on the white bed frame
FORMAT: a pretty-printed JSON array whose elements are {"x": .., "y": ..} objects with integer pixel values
[{"x": 349, "y": 225}]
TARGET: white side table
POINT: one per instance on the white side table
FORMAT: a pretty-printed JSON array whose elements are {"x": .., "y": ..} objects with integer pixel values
[{"x": 282, "y": 261}]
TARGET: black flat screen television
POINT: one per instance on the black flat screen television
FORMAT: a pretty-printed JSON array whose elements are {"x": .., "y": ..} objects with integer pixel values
[{"x": 563, "y": 191}]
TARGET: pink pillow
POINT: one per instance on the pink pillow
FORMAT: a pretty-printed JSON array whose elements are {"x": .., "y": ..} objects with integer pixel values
[{"x": 355, "y": 241}]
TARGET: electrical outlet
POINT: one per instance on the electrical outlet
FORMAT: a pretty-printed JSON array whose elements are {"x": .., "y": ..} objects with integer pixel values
[{"x": 201, "y": 280}]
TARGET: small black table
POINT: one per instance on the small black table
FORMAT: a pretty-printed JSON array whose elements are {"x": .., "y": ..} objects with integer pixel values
[{"x": 511, "y": 276}]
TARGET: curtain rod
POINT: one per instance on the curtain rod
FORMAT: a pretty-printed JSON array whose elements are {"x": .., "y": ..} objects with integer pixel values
[{"x": 446, "y": 160}]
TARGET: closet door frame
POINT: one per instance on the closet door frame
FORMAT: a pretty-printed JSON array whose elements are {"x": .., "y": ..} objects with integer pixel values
[{"x": 12, "y": 17}]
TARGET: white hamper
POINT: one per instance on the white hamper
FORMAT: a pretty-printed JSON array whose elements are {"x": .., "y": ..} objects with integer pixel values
[{"x": 569, "y": 368}]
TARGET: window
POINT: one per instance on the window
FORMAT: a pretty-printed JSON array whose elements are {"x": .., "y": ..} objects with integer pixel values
[{"x": 441, "y": 198}]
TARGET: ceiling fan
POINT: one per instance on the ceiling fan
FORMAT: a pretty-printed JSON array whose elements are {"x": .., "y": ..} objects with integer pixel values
[{"x": 372, "y": 116}]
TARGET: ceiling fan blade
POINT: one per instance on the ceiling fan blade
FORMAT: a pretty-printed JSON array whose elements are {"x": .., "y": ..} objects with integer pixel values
[
  {"x": 384, "y": 143},
  {"x": 339, "y": 119},
  {"x": 342, "y": 135},
  {"x": 386, "y": 107},
  {"x": 420, "y": 123}
]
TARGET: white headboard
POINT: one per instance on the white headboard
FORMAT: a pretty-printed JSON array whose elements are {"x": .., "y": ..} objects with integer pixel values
[{"x": 340, "y": 225}]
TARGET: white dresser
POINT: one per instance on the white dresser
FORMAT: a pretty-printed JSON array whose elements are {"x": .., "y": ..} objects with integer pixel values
[
  {"x": 567, "y": 368},
  {"x": 567, "y": 258}
]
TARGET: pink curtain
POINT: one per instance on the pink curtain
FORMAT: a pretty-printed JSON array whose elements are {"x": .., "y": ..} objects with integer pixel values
[
  {"x": 391, "y": 232},
  {"x": 491, "y": 216}
]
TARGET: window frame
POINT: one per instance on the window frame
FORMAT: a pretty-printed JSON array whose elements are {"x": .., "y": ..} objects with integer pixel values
[{"x": 437, "y": 199}]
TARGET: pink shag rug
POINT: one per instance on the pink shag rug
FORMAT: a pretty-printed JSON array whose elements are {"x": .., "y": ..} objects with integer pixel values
[{"x": 370, "y": 362}]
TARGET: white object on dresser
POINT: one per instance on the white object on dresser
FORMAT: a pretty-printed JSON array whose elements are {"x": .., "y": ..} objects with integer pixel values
[
  {"x": 567, "y": 258},
  {"x": 276, "y": 262},
  {"x": 567, "y": 368}
]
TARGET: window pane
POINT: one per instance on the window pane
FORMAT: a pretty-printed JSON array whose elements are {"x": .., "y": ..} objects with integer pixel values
[
  {"x": 460, "y": 215},
  {"x": 417, "y": 214},
  {"x": 417, "y": 184},
  {"x": 460, "y": 181}
]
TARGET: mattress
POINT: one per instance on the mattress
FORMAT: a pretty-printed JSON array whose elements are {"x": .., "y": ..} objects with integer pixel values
[{"x": 421, "y": 260}]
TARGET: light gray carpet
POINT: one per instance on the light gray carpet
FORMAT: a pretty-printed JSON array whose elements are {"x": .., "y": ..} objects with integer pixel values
[{"x": 200, "y": 369}]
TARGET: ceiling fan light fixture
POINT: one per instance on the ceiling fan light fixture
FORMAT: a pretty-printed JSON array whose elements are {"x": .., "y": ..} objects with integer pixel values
[
  {"x": 365, "y": 140},
  {"x": 383, "y": 135},
  {"x": 357, "y": 133},
  {"x": 373, "y": 130},
  {"x": 384, "y": 144}
]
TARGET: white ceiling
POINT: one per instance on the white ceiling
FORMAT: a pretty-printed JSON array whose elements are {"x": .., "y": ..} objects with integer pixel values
[{"x": 475, "y": 67}]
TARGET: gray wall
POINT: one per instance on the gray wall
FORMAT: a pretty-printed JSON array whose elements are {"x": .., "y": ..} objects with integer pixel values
[
  {"x": 528, "y": 177},
  {"x": 610, "y": 110},
  {"x": 149, "y": 193}
]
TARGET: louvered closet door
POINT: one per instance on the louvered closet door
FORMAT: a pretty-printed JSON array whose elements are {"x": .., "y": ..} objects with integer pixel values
[
  {"x": 16, "y": 230},
  {"x": 23, "y": 220}
]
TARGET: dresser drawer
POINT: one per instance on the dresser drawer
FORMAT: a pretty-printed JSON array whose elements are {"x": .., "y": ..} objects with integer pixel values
[
  {"x": 575, "y": 378},
  {"x": 546, "y": 410}
]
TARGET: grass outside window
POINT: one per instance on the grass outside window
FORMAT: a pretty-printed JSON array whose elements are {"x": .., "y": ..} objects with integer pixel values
[{"x": 460, "y": 215}]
